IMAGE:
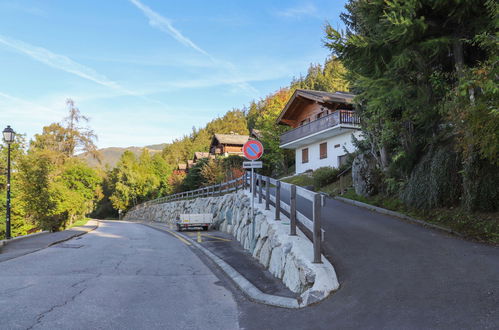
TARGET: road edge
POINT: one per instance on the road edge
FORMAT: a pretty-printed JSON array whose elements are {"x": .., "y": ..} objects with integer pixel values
[
  {"x": 251, "y": 291},
  {"x": 396, "y": 214}
]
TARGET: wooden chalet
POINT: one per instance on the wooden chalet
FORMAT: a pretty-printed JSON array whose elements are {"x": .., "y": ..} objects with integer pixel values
[{"x": 228, "y": 144}]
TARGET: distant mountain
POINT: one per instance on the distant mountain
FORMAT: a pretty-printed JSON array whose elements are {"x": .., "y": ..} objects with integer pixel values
[{"x": 110, "y": 156}]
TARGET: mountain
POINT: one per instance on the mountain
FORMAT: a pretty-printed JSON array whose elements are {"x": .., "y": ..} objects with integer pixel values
[{"x": 110, "y": 156}]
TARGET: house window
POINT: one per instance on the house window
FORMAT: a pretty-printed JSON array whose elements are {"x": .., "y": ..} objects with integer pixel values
[
  {"x": 323, "y": 150},
  {"x": 304, "y": 155},
  {"x": 342, "y": 160},
  {"x": 320, "y": 114}
]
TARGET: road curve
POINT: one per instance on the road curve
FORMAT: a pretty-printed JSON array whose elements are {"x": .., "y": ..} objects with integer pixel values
[{"x": 120, "y": 276}]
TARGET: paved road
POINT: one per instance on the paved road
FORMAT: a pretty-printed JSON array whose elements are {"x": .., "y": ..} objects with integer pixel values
[
  {"x": 395, "y": 275},
  {"x": 120, "y": 276}
]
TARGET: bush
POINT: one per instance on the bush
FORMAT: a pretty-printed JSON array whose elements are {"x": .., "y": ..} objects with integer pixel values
[
  {"x": 480, "y": 180},
  {"x": 324, "y": 176},
  {"x": 435, "y": 181}
]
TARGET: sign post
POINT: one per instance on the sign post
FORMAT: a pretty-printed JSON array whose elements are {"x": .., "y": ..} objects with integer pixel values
[{"x": 253, "y": 150}]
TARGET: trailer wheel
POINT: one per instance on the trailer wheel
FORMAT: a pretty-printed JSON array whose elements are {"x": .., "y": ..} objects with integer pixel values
[
  {"x": 179, "y": 228},
  {"x": 205, "y": 228}
]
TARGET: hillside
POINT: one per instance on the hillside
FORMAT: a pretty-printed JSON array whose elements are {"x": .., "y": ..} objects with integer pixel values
[{"x": 110, "y": 156}]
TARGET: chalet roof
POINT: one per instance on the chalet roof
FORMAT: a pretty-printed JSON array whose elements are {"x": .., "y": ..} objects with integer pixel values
[
  {"x": 201, "y": 154},
  {"x": 190, "y": 163},
  {"x": 233, "y": 139},
  {"x": 256, "y": 133},
  {"x": 182, "y": 166},
  {"x": 316, "y": 96}
]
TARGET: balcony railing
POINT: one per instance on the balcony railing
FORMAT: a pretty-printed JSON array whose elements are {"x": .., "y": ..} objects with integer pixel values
[{"x": 347, "y": 117}]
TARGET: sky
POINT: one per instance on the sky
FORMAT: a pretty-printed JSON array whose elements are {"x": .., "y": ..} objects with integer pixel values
[{"x": 147, "y": 71}]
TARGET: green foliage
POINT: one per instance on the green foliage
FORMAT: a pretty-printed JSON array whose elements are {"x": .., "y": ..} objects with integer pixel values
[
  {"x": 181, "y": 150},
  {"x": 194, "y": 178},
  {"x": 301, "y": 180},
  {"x": 134, "y": 180},
  {"x": 434, "y": 182},
  {"x": 213, "y": 172},
  {"x": 481, "y": 182},
  {"x": 426, "y": 76},
  {"x": 324, "y": 176}
]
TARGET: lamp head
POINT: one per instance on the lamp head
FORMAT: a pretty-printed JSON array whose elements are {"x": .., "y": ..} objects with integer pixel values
[{"x": 8, "y": 135}]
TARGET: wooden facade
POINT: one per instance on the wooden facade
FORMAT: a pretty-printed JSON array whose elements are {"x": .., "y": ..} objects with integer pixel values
[{"x": 228, "y": 144}]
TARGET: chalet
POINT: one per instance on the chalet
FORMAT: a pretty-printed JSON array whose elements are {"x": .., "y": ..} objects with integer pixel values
[
  {"x": 256, "y": 134},
  {"x": 181, "y": 169},
  {"x": 322, "y": 127},
  {"x": 228, "y": 144},
  {"x": 201, "y": 155},
  {"x": 190, "y": 164}
]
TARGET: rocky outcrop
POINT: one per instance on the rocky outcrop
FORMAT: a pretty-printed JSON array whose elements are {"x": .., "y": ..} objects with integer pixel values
[
  {"x": 287, "y": 257},
  {"x": 365, "y": 176}
]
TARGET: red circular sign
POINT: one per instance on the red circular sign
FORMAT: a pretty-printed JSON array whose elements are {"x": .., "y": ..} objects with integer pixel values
[{"x": 253, "y": 149}]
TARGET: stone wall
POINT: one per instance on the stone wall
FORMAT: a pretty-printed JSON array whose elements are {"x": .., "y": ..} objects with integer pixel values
[{"x": 287, "y": 257}]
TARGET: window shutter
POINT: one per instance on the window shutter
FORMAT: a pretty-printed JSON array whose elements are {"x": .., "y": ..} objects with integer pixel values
[
  {"x": 304, "y": 155},
  {"x": 323, "y": 150}
]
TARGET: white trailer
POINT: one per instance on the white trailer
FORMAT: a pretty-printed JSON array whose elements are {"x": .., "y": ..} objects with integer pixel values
[{"x": 202, "y": 220}]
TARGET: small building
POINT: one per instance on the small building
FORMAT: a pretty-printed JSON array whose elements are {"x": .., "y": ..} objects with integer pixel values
[
  {"x": 228, "y": 144},
  {"x": 322, "y": 127},
  {"x": 201, "y": 155},
  {"x": 255, "y": 134},
  {"x": 181, "y": 169}
]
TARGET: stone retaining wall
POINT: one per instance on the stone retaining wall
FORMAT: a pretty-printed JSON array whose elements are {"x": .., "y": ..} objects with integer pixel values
[{"x": 287, "y": 257}]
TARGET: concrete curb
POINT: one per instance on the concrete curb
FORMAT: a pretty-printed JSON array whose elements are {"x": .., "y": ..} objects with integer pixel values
[
  {"x": 77, "y": 234},
  {"x": 242, "y": 283},
  {"x": 6, "y": 241},
  {"x": 396, "y": 214}
]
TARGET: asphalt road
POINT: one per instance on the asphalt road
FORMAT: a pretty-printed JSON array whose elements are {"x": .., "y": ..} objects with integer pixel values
[
  {"x": 119, "y": 276},
  {"x": 398, "y": 275},
  {"x": 393, "y": 275}
]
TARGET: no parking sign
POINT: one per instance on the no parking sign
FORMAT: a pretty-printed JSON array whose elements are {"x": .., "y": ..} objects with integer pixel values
[{"x": 253, "y": 149}]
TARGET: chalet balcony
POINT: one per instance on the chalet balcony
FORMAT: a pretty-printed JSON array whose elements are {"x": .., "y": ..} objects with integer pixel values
[{"x": 328, "y": 126}]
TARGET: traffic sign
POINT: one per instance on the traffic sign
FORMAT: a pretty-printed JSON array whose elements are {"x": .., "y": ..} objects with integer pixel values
[
  {"x": 253, "y": 149},
  {"x": 252, "y": 164}
]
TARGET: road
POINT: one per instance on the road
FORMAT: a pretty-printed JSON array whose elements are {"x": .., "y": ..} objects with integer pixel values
[
  {"x": 120, "y": 276},
  {"x": 393, "y": 275}
]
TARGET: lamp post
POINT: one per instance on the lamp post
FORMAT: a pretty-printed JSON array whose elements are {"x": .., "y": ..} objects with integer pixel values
[{"x": 8, "y": 137}]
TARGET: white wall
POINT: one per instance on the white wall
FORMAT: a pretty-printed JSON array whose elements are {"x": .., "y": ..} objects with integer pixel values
[{"x": 314, "y": 161}]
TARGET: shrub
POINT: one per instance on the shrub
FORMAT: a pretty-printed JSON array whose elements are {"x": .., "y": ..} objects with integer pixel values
[
  {"x": 324, "y": 176},
  {"x": 435, "y": 181}
]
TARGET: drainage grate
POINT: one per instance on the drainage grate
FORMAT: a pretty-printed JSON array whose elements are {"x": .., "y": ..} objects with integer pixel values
[{"x": 69, "y": 246}]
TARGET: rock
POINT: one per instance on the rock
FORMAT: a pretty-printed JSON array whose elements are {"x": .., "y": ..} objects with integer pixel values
[
  {"x": 265, "y": 254},
  {"x": 365, "y": 175}
]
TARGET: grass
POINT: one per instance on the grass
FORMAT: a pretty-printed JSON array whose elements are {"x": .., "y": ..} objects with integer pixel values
[
  {"x": 79, "y": 223},
  {"x": 300, "y": 180},
  {"x": 479, "y": 226}
]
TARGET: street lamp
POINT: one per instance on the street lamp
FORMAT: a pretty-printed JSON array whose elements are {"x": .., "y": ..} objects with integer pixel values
[{"x": 8, "y": 137}]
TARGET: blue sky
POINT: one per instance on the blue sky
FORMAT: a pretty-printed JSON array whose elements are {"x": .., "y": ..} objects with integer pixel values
[{"x": 147, "y": 71}]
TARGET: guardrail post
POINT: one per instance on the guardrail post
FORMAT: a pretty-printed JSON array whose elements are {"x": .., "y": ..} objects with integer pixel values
[
  {"x": 317, "y": 205},
  {"x": 250, "y": 183},
  {"x": 219, "y": 189},
  {"x": 278, "y": 200},
  {"x": 292, "y": 213},
  {"x": 267, "y": 193},
  {"x": 260, "y": 188}
]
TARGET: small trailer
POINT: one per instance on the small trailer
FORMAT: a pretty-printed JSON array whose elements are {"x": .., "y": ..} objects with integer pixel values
[{"x": 202, "y": 220}]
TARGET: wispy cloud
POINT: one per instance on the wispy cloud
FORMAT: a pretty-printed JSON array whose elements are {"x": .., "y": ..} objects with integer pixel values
[
  {"x": 64, "y": 63},
  {"x": 308, "y": 9},
  {"x": 164, "y": 24},
  {"x": 60, "y": 62}
]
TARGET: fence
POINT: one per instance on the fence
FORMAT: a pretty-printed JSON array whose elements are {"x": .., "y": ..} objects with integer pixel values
[
  {"x": 267, "y": 190},
  {"x": 214, "y": 190},
  {"x": 263, "y": 186}
]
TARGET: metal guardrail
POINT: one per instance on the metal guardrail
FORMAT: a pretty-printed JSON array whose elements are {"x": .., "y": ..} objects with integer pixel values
[
  {"x": 336, "y": 118},
  {"x": 262, "y": 189},
  {"x": 210, "y": 191}
]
